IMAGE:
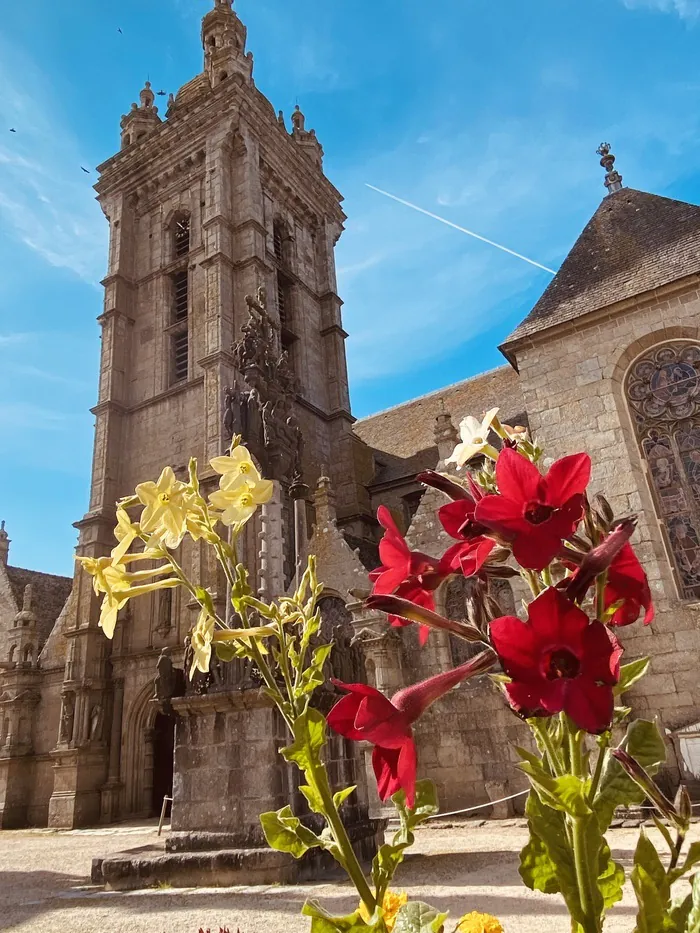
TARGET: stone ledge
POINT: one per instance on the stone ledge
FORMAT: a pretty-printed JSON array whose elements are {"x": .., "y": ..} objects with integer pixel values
[{"x": 149, "y": 866}]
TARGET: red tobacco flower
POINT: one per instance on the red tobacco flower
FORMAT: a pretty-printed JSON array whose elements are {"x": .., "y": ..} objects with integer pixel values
[
  {"x": 409, "y": 574},
  {"x": 559, "y": 660},
  {"x": 532, "y": 511},
  {"x": 628, "y": 583},
  {"x": 597, "y": 560},
  {"x": 365, "y": 714}
]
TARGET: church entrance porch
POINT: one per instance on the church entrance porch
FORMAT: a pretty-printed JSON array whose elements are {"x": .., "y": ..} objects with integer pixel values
[{"x": 163, "y": 742}]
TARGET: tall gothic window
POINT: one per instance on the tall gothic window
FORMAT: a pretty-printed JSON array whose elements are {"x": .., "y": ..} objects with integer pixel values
[
  {"x": 181, "y": 237},
  {"x": 663, "y": 391}
]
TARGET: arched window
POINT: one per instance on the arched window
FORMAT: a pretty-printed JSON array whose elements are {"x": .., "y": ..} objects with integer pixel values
[
  {"x": 457, "y": 592},
  {"x": 27, "y": 656},
  {"x": 11, "y": 656},
  {"x": 663, "y": 393}
]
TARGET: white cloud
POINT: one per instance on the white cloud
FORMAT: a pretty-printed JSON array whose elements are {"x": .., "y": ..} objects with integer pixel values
[
  {"x": 22, "y": 415},
  {"x": 46, "y": 201},
  {"x": 686, "y": 9}
]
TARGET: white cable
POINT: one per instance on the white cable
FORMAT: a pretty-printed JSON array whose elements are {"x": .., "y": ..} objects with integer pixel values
[{"x": 479, "y": 806}]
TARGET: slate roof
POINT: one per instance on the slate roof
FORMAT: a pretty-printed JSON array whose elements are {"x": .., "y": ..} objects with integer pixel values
[
  {"x": 403, "y": 437},
  {"x": 49, "y": 594},
  {"x": 634, "y": 242}
]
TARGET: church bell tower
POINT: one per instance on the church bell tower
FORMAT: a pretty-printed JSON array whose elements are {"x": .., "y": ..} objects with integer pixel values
[{"x": 220, "y": 316}]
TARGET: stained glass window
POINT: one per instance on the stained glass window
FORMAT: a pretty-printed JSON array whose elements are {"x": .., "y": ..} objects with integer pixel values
[{"x": 663, "y": 391}]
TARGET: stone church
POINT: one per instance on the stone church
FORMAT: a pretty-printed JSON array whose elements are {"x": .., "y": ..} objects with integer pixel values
[{"x": 221, "y": 315}]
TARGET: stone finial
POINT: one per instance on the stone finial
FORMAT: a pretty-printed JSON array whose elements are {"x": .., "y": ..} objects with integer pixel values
[
  {"x": 446, "y": 436},
  {"x": 324, "y": 501},
  {"x": 4, "y": 544},
  {"x": 147, "y": 97},
  {"x": 26, "y": 618},
  {"x": 298, "y": 119},
  {"x": 613, "y": 179},
  {"x": 225, "y": 4}
]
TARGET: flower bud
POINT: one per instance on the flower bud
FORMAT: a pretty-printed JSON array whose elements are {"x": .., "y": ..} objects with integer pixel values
[
  {"x": 444, "y": 483},
  {"x": 395, "y": 605},
  {"x": 645, "y": 782},
  {"x": 599, "y": 559}
]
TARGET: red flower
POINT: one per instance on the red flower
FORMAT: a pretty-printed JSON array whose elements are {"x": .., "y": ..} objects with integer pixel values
[
  {"x": 409, "y": 574},
  {"x": 367, "y": 715},
  {"x": 532, "y": 511},
  {"x": 628, "y": 583},
  {"x": 559, "y": 660}
]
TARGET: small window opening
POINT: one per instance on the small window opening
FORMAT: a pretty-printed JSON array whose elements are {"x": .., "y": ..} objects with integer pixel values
[
  {"x": 223, "y": 76},
  {"x": 180, "y": 297},
  {"x": 180, "y": 356},
  {"x": 278, "y": 238},
  {"x": 27, "y": 653}
]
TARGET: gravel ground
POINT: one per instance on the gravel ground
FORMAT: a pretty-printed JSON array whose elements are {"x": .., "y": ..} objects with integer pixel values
[{"x": 45, "y": 885}]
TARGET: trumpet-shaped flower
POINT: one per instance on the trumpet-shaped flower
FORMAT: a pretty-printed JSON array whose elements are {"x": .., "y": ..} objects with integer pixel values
[
  {"x": 627, "y": 589},
  {"x": 239, "y": 497},
  {"x": 166, "y": 507},
  {"x": 201, "y": 641},
  {"x": 559, "y": 660},
  {"x": 365, "y": 714},
  {"x": 236, "y": 463},
  {"x": 409, "y": 574},
  {"x": 125, "y": 532},
  {"x": 474, "y": 435},
  {"x": 532, "y": 511}
]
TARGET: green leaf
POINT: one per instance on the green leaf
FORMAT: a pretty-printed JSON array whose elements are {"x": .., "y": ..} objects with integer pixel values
[
  {"x": 384, "y": 865},
  {"x": 313, "y": 798},
  {"x": 323, "y": 922},
  {"x": 677, "y": 919},
  {"x": 694, "y": 913},
  {"x": 536, "y": 869},
  {"x": 226, "y": 651},
  {"x": 341, "y": 796},
  {"x": 390, "y": 856},
  {"x": 630, "y": 674},
  {"x": 691, "y": 860},
  {"x": 646, "y": 857},
  {"x": 417, "y": 917},
  {"x": 425, "y": 803},
  {"x": 309, "y": 736},
  {"x": 616, "y": 789},
  {"x": 663, "y": 829},
  {"x": 611, "y": 878},
  {"x": 286, "y": 833},
  {"x": 651, "y": 914},
  {"x": 572, "y": 793},
  {"x": 549, "y": 827}
]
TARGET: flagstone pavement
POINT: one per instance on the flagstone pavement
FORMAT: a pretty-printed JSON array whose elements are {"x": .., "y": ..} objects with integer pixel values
[{"x": 45, "y": 884}]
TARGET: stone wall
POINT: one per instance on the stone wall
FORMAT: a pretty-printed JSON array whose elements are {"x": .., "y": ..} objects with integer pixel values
[{"x": 573, "y": 381}]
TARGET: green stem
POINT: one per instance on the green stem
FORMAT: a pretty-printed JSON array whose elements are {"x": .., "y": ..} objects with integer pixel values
[
  {"x": 583, "y": 860},
  {"x": 318, "y": 777},
  {"x": 540, "y": 727},
  {"x": 600, "y": 582},
  {"x": 547, "y": 576},
  {"x": 532, "y": 581},
  {"x": 602, "y": 749}
]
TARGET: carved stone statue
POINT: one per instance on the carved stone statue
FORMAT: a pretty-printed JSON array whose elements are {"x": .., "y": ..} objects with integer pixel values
[
  {"x": 233, "y": 420},
  {"x": 165, "y": 681},
  {"x": 97, "y": 717},
  {"x": 67, "y": 717},
  {"x": 165, "y": 611}
]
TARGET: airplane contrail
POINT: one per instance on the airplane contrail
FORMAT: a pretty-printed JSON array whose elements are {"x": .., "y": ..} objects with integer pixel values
[{"x": 449, "y": 223}]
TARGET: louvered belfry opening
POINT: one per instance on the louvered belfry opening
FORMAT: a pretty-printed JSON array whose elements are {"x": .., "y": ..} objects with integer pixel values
[
  {"x": 180, "y": 297},
  {"x": 180, "y": 356}
]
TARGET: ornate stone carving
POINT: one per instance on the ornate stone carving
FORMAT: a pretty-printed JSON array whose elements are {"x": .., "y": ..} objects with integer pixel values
[{"x": 67, "y": 718}]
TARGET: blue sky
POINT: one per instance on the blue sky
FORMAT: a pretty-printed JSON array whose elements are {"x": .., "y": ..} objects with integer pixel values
[{"x": 487, "y": 112}]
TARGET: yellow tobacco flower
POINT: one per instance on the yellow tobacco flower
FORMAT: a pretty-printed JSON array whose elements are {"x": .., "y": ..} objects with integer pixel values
[
  {"x": 125, "y": 533},
  {"x": 166, "y": 507},
  {"x": 391, "y": 905},
  {"x": 239, "y": 497},
  {"x": 236, "y": 463},
  {"x": 474, "y": 434},
  {"x": 200, "y": 640},
  {"x": 478, "y": 923}
]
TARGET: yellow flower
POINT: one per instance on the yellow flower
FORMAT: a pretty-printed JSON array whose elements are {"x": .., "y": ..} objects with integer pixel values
[
  {"x": 478, "y": 923},
  {"x": 236, "y": 463},
  {"x": 166, "y": 507},
  {"x": 111, "y": 604},
  {"x": 239, "y": 497},
  {"x": 200, "y": 640},
  {"x": 474, "y": 434},
  {"x": 125, "y": 533},
  {"x": 391, "y": 905}
]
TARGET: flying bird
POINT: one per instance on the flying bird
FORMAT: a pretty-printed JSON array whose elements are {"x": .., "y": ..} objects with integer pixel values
[
  {"x": 119, "y": 31},
  {"x": 12, "y": 129},
  {"x": 160, "y": 93},
  {"x": 87, "y": 171}
]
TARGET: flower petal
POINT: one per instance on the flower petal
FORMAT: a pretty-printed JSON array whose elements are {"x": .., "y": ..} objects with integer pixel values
[
  {"x": 567, "y": 477},
  {"x": 517, "y": 477},
  {"x": 517, "y": 646},
  {"x": 502, "y": 515},
  {"x": 589, "y": 704},
  {"x": 556, "y": 620}
]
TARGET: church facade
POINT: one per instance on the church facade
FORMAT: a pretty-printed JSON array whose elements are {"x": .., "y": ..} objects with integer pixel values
[{"x": 221, "y": 316}]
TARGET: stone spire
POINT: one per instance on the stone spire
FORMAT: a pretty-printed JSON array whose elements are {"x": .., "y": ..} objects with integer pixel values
[
  {"x": 324, "y": 501},
  {"x": 26, "y": 618},
  {"x": 613, "y": 179},
  {"x": 306, "y": 138},
  {"x": 224, "y": 39},
  {"x": 141, "y": 119},
  {"x": 4, "y": 544}
]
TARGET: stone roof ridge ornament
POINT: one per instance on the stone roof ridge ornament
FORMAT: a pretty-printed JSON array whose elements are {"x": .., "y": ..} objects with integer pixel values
[{"x": 613, "y": 179}]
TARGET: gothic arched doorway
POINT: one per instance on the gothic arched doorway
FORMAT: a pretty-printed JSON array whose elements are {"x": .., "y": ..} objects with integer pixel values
[{"x": 163, "y": 759}]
